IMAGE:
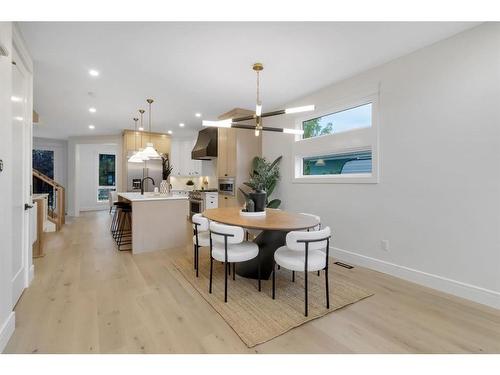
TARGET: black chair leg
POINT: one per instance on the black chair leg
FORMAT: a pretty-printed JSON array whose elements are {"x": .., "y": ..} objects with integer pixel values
[
  {"x": 274, "y": 279},
  {"x": 305, "y": 299},
  {"x": 211, "y": 271},
  {"x": 225, "y": 281},
  {"x": 234, "y": 271},
  {"x": 327, "y": 289},
  {"x": 318, "y": 273},
  {"x": 229, "y": 269},
  {"x": 258, "y": 270},
  {"x": 194, "y": 256},
  {"x": 278, "y": 266},
  {"x": 197, "y": 260},
  {"x": 293, "y": 276}
]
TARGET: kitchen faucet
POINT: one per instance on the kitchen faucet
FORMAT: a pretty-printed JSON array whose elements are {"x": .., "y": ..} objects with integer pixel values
[{"x": 142, "y": 183}]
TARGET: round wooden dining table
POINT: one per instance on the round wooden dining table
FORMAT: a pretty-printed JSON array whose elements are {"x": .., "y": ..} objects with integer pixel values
[{"x": 274, "y": 226}]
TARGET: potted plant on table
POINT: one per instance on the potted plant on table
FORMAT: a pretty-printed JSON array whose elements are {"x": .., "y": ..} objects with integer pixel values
[
  {"x": 166, "y": 171},
  {"x": 190, "y": 184},
  {"x": 263, "y": 179}
]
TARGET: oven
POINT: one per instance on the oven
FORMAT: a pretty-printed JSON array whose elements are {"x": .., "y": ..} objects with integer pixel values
[
  {"x": 196, "y": 204},
  {"x": 226, "y": 186}
]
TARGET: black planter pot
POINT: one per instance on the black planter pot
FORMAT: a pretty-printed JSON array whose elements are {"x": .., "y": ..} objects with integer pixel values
[{"x": 259, "y": 198}]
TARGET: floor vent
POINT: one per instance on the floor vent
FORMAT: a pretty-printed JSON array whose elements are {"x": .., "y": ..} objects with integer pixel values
[{"x": 348, "y": 266}]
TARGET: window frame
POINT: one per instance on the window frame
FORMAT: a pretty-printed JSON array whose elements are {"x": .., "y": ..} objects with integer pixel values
[
  {"x": 355, "y": 140},
  {"x": 108, "y": 187}
]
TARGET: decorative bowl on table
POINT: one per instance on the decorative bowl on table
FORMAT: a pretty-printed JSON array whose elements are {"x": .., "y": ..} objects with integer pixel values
[{"x": 252, "y": 214}]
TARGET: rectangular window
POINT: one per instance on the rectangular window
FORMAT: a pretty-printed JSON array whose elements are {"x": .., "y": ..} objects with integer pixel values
[
  {"x": 349, "y": 119},
  {"x": 339, "y": 144},
  {"x": 334, "y": 164},
  {"x": 107, "y": 176}
]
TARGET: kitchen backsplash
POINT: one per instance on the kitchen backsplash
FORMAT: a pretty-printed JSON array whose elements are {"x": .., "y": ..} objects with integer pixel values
[{"x": 179, "y": 183}]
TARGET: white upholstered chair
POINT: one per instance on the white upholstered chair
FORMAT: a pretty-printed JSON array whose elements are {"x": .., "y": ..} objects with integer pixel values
[
  {"x": 304, "y": 251},
  {"x": 201, "y": 237},
  {"x": 227, "y": 245},
  {"x": 317, "y": 227}
]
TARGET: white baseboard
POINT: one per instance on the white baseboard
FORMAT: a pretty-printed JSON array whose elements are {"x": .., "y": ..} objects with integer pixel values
[
  {"x": 31, "y": 275},
  {"x": 471, "y": 292},
  {"x": 6, "y": 330}
]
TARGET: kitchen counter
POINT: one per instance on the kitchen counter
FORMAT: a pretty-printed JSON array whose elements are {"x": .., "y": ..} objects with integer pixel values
[
  {"x": 159, "y": 221},
  {"x": 138, "y": 197}
]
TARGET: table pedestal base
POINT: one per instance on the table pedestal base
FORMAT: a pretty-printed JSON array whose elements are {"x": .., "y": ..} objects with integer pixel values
[{"x": 269, "y": 241}]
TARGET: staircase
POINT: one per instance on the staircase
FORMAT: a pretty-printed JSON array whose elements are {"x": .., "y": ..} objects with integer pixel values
[{"x": 57, "y": 209}]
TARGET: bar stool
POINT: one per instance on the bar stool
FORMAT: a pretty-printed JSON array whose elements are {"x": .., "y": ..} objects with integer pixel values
[
  {"x": 124, "y": 231},
  {"x": 114, "y": 221}
]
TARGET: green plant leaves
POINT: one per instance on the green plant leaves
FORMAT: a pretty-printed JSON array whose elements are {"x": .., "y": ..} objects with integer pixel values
[
  {"x": 275, "y": 203},
  {"x": 265, "y": 176}
]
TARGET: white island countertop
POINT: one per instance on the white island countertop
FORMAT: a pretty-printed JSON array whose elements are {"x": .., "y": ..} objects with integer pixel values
[{"x": 138, "y": 197}]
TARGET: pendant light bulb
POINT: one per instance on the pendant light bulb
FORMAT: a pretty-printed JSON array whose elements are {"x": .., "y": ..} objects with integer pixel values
[
  {"x": 150, "y": 151},
  {"x": 257, "y": 132}
]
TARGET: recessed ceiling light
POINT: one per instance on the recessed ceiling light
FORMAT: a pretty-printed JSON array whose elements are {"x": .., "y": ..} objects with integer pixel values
[
  {"x": 18, "y": 118},
  {"x": 197, "y": 114},
  {"x": 92, "y": 110},
  {"x": 141, "y": 128},
  {"x": 91, "y": 127},
  {"x": 170, "y": 132},
  {"x": 181, "y": 124},
  {"x": 16, "y": 99},
  {"x": 93, "y": 73}
]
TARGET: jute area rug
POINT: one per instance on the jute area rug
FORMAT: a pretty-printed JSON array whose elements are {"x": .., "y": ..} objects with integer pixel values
[{"x": 256, "y": 317}]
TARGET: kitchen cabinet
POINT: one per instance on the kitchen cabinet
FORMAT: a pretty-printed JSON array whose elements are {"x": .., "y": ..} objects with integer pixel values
[
  {"x": 228, "y": 201},
  {"x": 161, "y": 142},
  {"x": 226, "y": 156},
  {"x": 183, "y": 165}
]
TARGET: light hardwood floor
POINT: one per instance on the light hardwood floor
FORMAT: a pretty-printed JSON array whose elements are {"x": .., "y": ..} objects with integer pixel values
[{"x": 89, "y": 298}]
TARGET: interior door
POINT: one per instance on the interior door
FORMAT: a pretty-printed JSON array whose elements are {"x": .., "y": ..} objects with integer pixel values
[{"x": 21, "y": 159}]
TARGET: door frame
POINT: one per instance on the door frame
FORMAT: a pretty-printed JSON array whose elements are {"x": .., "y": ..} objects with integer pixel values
[{"x": 24, "y": 276}]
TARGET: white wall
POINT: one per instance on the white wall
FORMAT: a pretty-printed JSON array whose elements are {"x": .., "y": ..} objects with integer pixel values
[
  {"x": 438, "y": 199},
  {"x": 7, "y": 318},
  {"x": 83, "y": 185},
  {"x": 88, "y": 175}
]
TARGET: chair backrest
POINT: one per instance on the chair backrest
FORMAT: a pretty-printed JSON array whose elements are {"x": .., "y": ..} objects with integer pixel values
[
  {"x": 317, "y": 227},
  {"x": 294, "y": 238},
  {"x": 201, "y": 222},
  {"x": 113, "y": 197},
  {"x": 234, "y": 234}
]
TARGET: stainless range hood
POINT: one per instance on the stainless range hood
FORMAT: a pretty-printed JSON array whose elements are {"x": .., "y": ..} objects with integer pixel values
[{"x": 206, "y": 145}]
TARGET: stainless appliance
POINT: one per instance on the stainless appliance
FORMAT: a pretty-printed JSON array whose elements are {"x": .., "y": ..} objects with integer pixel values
[
  {"x": 226, "y": 186},
  {"x": 200, "y": 200},
  {"x": 137, "y": 171}
]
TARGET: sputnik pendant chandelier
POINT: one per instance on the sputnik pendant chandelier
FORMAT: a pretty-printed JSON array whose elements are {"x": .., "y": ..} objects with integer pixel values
[{"x": 258, "y": 116}]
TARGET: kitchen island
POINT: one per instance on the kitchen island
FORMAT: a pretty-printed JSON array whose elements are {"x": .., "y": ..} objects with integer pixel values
[{"x": 159, "y": 221}]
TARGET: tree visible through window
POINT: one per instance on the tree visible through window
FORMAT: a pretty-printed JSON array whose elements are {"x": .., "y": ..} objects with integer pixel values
[
  {"x": 349, "y": 119},
  {"x": 107, "y": 176}
]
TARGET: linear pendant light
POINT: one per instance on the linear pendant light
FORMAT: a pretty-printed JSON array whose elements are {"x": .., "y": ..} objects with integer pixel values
[
  {"x": 150, "y": 151},
  {"x": 136, "y": 156},
  {"x": 141, "y": 149},
  {"x": 258, "y": 116}
]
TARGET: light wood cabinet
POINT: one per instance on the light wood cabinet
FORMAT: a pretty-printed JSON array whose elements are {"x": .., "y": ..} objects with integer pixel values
[
  {"x": 226, "y": 155},
  {"x": 160, "y": 141},
  {"x": 228, "y": 201},
  {"x": 236, "y": 150}
]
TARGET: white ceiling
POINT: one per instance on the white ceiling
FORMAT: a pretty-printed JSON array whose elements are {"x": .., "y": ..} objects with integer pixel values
[{"x": 198, "y": 67}]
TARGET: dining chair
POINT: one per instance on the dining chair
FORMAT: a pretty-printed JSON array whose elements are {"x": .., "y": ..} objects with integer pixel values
[
  {"x": 304, "y": 252},
  {"x": 201, "y": 237},
  {"x": 227, "y": 245},
  {"x": 317, "y": 227}
]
